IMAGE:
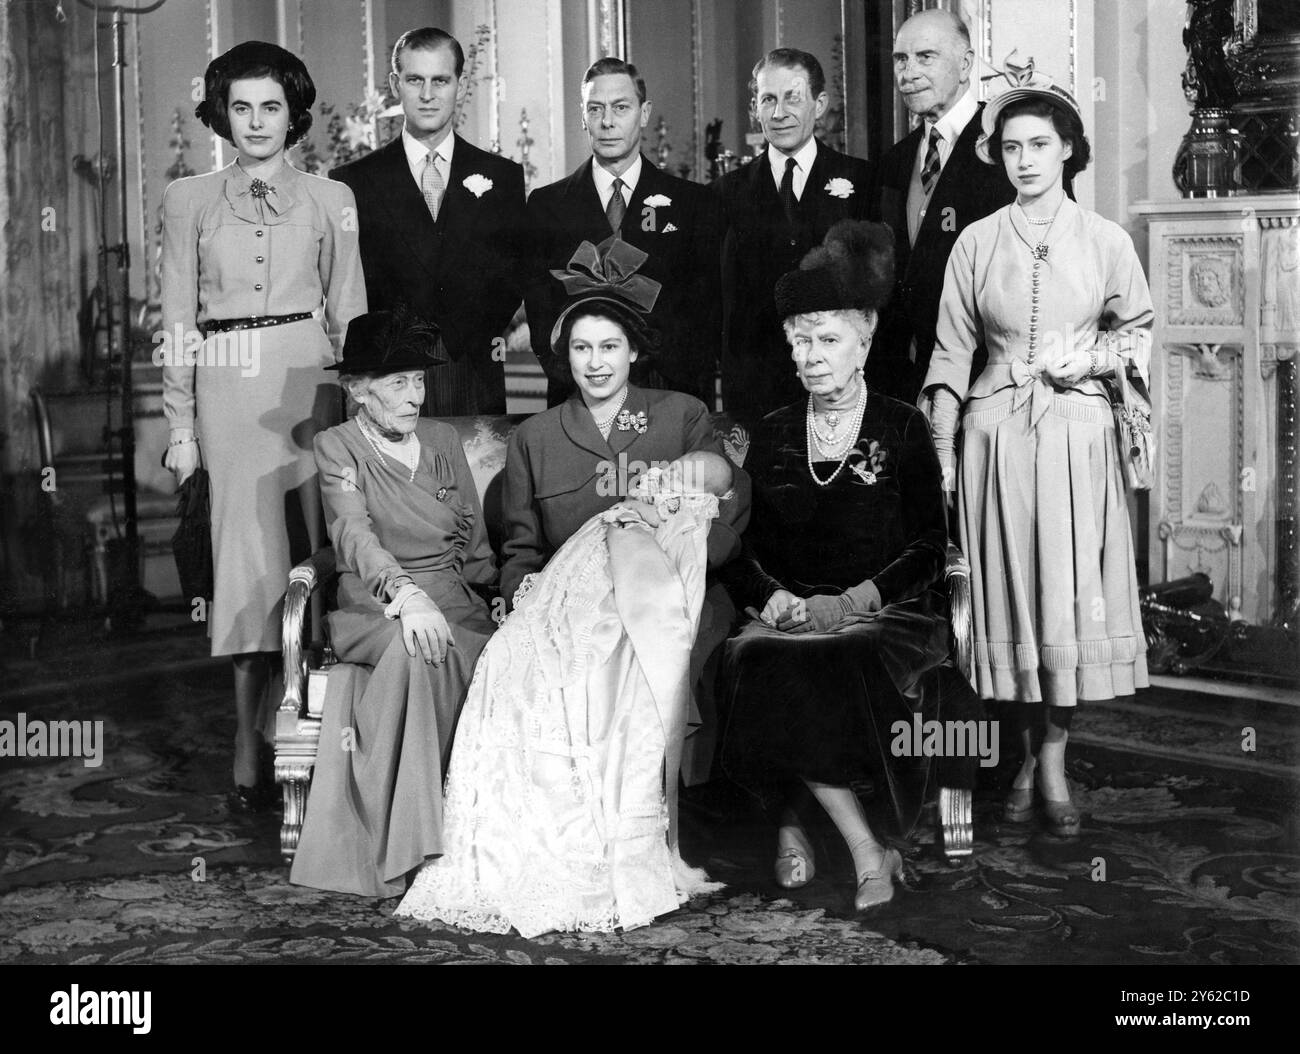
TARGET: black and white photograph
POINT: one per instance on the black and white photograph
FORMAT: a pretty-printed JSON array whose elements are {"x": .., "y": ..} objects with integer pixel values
[{"x": 652, "y": 482}]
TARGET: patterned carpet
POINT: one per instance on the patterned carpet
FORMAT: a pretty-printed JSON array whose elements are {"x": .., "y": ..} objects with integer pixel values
[{"x": 1183, "y": 857}]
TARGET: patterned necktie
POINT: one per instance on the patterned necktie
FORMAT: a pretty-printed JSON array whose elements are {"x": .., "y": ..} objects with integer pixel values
[
  {"x": 787, "y": 190},
  {"x": 617, "y": 207},
  {"x": 930, "y": 170},
  {"x": 432, "y": 185}
]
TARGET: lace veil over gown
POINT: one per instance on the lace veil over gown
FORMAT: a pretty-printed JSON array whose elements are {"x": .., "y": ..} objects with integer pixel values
[{"x": 560, "y": 806}]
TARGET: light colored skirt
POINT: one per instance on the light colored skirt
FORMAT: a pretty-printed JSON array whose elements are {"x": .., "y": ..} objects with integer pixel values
[
  {"x": 257, "y": 418},
  {"x": 1045, "y": 524}
]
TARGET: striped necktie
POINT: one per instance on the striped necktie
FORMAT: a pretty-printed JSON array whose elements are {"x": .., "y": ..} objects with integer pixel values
[
  {"x": 432, "y": 185},
  {"x": 930, "y": 170},
  {"x": 617, "y": 207}
]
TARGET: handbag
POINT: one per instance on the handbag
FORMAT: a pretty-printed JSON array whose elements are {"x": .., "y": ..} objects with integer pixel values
[
  {"x": 1137, "y": 442},
  {"x": 192, "y": 542}
]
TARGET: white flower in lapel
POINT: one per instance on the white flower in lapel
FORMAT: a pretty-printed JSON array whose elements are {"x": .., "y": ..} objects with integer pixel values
[
  {"x": 477, "y": 184},
  {"x": 658, "y": 201},
  {"x": 839, "y": 188}
]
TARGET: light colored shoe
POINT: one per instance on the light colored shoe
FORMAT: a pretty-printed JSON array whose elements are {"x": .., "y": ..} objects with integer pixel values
[
  {"x": 1063, "y": 818},
  {"x": 1019, "y": 805},
  {"x": 794, "y": 868},
  {"x": 877, "y": 887}
]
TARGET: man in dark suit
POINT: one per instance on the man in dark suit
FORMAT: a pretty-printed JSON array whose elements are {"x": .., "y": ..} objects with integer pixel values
[
  {"x": 673, "y": 220},
  {"x": 443, "y": 228},
  {"x": 775, "y": 209},
  {"x": 931, "y": 187}
]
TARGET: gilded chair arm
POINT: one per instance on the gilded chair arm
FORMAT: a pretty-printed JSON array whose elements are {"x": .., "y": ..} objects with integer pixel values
[
  {"x": 303, "y": 581},
  {"x": 956, "y": 574}
]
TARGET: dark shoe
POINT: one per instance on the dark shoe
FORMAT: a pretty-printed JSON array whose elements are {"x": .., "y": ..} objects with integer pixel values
[
  {"x": 1063, "y": 818},
  {"x": 877, "y": 887},
  {"x": 262, "y": 798},
  {"x": 1019, "y": 805}
]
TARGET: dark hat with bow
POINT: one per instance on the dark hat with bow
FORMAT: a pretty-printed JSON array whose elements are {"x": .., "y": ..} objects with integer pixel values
[
  {"x": 383, "y": 342},
  {"x": 853, "y": 268},
  {"x": 606, "y": 272}
]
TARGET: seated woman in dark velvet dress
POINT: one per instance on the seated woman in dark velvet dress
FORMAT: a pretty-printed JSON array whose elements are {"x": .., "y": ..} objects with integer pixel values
[{"x": 846, "y": 536}]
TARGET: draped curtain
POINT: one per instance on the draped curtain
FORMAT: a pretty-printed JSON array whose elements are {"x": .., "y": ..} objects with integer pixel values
[{"x": 38, "y": 296}]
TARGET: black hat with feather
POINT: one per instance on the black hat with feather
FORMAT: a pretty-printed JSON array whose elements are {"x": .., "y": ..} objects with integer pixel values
[
  {"x": 853, "y": 268},
  {"x": 383, "y": 342}
]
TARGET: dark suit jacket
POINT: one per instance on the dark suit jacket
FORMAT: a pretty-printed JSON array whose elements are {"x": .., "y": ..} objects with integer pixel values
[
  {"x": 556, "y": 460},
  {"x": 464, "y": 273},
  {"x": 681, "y": 239},
  {"x": 968, "y": 190},
  {"x": 758, "y": 247}
]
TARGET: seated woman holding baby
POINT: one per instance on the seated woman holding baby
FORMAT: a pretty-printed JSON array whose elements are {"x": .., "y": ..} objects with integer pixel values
[{"x": 560, "y": 803}]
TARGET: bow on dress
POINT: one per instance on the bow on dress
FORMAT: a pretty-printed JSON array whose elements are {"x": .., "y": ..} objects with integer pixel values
[
  {"x": 259, "y": 201},
  {"x": 1033, "y": 387},
  {"x": 609, "y": 271}
]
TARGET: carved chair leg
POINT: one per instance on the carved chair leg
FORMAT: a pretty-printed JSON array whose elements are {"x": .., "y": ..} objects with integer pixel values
[
  {"x": 294, "y": 782},
  {"x": 955, "y": 822}
]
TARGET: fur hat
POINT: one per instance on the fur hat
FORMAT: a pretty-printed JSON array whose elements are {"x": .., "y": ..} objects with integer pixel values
[{"x": 853, "y": 268}]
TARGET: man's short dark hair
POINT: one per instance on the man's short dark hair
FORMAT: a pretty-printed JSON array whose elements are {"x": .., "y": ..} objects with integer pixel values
[
  {"x": 249, "y": 61},
  {"x": 791, "y": 58},
  {"x": 612, "y": 67},
  {"x": 427, "y": 39}
]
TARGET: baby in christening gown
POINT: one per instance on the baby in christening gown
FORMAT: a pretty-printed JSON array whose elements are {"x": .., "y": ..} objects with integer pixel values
[{"x": 560, "y": 809}]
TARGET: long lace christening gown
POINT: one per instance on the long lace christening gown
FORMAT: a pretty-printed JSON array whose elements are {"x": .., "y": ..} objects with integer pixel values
[{"x": 556, "y": 814}]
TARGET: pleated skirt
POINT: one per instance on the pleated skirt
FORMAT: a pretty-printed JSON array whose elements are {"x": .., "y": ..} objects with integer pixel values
[
  {"x": 261, "y": 396},
  {"x": 1045, "y": 524}
]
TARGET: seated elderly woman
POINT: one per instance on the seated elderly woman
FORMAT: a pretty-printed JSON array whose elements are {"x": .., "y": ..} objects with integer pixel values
[
  {"x": 847, "y": 533},
  {"x": 404, "y": 517}
]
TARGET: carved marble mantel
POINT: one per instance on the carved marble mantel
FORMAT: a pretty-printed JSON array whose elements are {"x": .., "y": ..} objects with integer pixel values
[{"x": 1225, "y": 277}]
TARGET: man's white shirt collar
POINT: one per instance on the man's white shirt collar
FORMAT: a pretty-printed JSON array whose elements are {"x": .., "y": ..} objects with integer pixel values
[
  {"x": 604, "y": 180},
  {"x": 950, "y": 126},
  {"x": 803, "y": 159},
  {"x": 416, "y": 152}
]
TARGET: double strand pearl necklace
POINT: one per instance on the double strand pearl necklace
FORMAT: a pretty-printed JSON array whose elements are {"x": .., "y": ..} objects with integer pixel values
[
  {"x": 814, "y": 438},
  {"x": 604, "y": 426},
  {"x": 405, "y": 453},
  {"x": 1040, "y": 254}
]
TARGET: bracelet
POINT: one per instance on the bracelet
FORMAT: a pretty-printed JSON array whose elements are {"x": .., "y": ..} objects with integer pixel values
[
  {"x": 1092, "y": 362},
  {"x": 180, "y": 442}
]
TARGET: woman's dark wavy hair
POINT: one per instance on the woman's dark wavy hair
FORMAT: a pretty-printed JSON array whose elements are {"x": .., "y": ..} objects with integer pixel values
[
  {"x": 1067, "y": 123},
  {"x": 642, "y": 337},
  {"x": 248, "y": 61}
]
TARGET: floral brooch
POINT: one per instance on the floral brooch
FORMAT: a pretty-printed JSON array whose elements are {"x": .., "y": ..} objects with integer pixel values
[
  {"x": 869, "y": 466},
  {"x": 477, "y": 184},
  {"x": 839, "y": 187},
  {"x": 628, "y": 421}
]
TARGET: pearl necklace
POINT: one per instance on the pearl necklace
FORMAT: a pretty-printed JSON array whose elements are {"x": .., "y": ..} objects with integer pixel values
[
  {"x": 604, "y": 426},
  {"x": 814, "y": 439},
  {"x": 405, "y": 453}
]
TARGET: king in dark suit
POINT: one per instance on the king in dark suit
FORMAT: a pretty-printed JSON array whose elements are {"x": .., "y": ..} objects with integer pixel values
[
  {"x": 673, "y": 221},
  {"x": 931, "y": 187},
  {"x": 775, "y": 209},
  {"x": 443, "y": 227}
]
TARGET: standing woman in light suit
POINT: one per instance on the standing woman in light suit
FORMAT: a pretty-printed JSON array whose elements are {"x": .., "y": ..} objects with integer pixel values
[
  {"x": 1058, "y": 296},
  {"x": 250, "y": 254}
]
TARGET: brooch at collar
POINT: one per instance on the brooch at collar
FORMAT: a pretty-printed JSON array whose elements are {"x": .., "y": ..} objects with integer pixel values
[
  {"x": 260, "y": 189},
  {"x": 628, "y": 421}
]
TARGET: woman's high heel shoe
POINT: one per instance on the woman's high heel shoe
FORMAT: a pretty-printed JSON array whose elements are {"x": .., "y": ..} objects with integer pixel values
[
  {"x": 1019, "y": 805},
  {"x": 877, "y": 887},
  {"x": 794, "y": 868},
  {"x": 1062, "y": 818}
]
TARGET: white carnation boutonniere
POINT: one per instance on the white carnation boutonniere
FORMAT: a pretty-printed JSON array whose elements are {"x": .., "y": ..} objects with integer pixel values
[
  {"x": 477, "y": 184},
  {"x": 658, "y": 201},
  {"x": 839, "y": 187}
]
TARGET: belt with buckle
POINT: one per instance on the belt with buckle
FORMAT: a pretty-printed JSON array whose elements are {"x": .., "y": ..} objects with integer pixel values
[{"x": 225, "y": 325}]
